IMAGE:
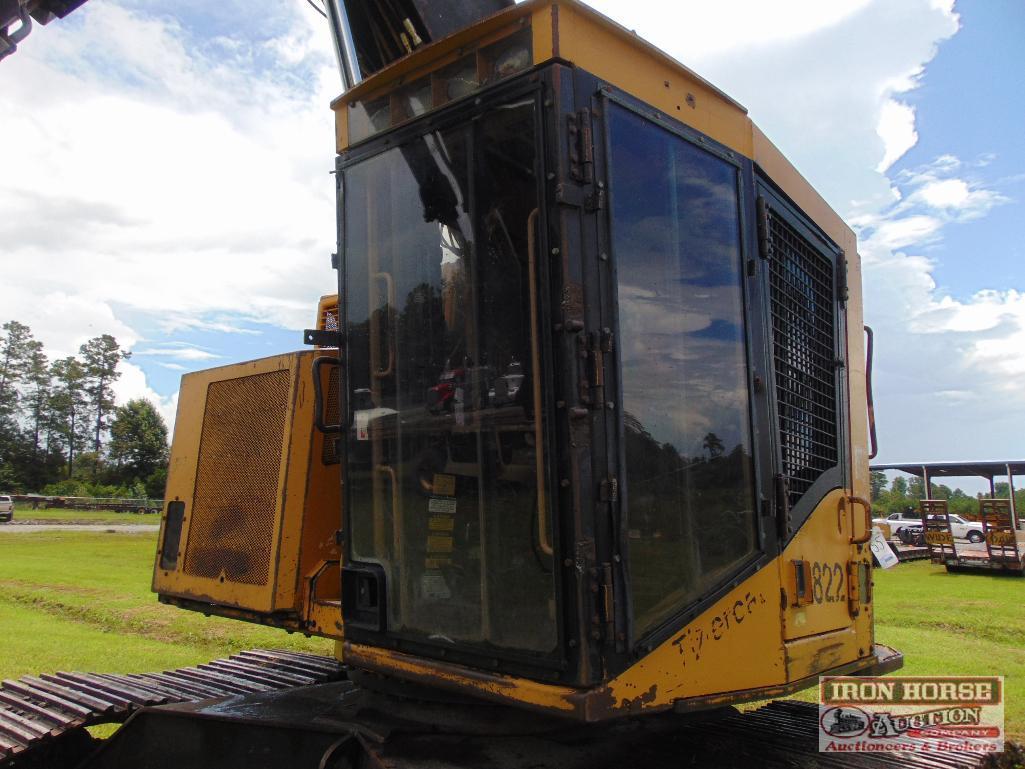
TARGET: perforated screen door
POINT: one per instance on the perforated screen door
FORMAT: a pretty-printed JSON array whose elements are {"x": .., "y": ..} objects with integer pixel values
[{"x": 803, "y": 296}]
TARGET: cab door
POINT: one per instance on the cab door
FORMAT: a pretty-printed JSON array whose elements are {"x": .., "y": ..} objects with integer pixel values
[
  {"x": 450, "y": 521},
  {"x": 805, "y": 273}
]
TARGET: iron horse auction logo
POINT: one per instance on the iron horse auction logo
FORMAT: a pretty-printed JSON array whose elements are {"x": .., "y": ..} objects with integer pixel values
[{"x": 917, "y": 714}]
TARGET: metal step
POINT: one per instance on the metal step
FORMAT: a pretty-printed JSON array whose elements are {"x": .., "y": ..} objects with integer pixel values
[{"x": 37, "y": 710}]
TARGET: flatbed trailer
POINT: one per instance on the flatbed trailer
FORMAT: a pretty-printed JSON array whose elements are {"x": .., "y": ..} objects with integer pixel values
[
  {"x": 117, "y": 505},
  {"x": 1003, "y": 547}
]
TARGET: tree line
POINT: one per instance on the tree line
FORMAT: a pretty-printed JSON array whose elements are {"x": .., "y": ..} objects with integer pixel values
[
  {"x": 61, "y": 432},
  {"x": 903, "y": 493}
]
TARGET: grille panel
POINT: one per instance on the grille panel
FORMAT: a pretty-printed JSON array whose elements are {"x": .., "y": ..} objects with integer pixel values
[
  {"x": 333, "y": 416},
  {"x": 802, "y": 292},
  {"x": 234, "y": 509}
]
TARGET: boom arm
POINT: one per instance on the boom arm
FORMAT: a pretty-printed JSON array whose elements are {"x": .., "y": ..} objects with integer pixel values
[{"x": 371, "y": 34}]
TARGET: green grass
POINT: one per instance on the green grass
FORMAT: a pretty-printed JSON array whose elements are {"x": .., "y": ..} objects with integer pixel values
[
  {"x": 24, "y": 513},
  {"x": 81, "y": 601},
  {"x": 954, "y": 624}
]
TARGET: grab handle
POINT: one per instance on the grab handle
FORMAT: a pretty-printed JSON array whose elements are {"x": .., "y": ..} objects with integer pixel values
[
  {"x": 544, "y": 543},
  {"x": 867, "y": 506},
  {"x": 870, "y": 344},
  {"x": 389, "y": 284}
]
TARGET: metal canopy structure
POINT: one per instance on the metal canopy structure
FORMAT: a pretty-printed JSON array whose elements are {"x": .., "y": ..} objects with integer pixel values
[{"x": 990, "y": 470}]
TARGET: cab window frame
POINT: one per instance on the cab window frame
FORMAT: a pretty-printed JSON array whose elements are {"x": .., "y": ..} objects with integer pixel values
[
  {"x": 557, "y": 665},
  {"x": 756, "y": 342}
]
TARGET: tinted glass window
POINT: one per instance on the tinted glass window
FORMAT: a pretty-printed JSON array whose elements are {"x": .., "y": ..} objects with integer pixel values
[
  {"x": 689, "y": 468},
  {"x": 446, "y": 439}
]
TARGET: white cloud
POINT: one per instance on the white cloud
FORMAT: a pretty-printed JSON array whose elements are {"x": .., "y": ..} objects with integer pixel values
[
  {"x": 180, "y": 352},
  {"x": 942, "y": 186},
  {"x": 132, "y": 385},
  {"x": 897, "y": 130},
  {"x": 189, "y": 186},
  {"x": 61, "y": 319},
  {"x": 166, "y": 177},
  {"x": 187, "y": 181},
  {"x": 690, "y": 31},
  {"x": 926, "y": 199},
  {"x": 901, "y": 232},
  {"x": 950, "y": 193}
]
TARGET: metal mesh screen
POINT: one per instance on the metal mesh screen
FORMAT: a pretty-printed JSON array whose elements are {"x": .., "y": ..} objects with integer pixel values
[
  {"x": 804, "y": 348},
  {"x": 237, "y": 492},
  {"x": 332, "y": 416}
]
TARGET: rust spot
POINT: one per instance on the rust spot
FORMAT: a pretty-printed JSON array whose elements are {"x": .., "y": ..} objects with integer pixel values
[
  {"x": 636, "y": 704},
  {"x": 826, "y": 657},
  {"x": 573, "y": 300}
]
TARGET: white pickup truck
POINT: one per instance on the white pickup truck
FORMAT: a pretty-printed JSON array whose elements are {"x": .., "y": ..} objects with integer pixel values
[
  {"x": 897, "y": 521},
  {"x": 960, "y": 527},
  {"x": 6, "y": 508}
]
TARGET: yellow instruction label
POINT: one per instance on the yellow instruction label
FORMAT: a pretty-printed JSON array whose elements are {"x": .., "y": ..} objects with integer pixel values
[{"x": 444, "y": 485}]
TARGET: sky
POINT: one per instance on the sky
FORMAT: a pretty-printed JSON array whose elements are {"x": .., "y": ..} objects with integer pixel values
[{"x": 166, "y": 179}]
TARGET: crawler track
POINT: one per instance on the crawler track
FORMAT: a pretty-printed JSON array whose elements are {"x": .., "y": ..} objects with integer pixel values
[
  {"x": 784, "y": 734},
  {"x": 42, "y": 716},
  {"x": 36, "y": 711}
]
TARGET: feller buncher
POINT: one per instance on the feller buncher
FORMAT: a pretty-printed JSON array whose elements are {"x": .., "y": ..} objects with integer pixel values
[{"x": 578, "y": 459}]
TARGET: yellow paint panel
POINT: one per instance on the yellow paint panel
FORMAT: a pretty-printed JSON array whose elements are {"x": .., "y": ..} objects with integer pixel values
[
  {"x": 296, "y": 535},
  {"x": 810, "y": 656},
  {"x": 184, "y": 465},
  {"x": 542, "y": 24},
  {"x": 736, "y": 644},
  {"x": 488, "y": 685},
  {"x": 823, "y": 542},
  {"x": 606, "y": 50}
]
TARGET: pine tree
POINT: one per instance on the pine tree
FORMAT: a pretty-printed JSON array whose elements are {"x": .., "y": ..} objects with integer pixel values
[
  {"x": 37, "y": 395},
  {"x": 15, "y": 345},
  {"x": 100, "y": 358},
  {"x": 14, "y": 357},
  {"x": 68, "y": 402}
]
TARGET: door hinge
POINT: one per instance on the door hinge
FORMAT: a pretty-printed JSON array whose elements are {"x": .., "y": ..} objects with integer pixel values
[
  {"x": 782, "y": 491},
  {"x": 764, "y": 237},
  {"x": 581, "y": 147},
  {"x": 608, "y": 490},
  {"x": 842, "y": 290},
  {"x": 859, "y": 586}
]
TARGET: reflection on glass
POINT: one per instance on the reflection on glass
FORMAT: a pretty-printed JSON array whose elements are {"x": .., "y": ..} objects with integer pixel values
[
  {"x": 461, "y": 79},
  {"x": 689, "y": 488},
  {"x": 443, "y": 488}
]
